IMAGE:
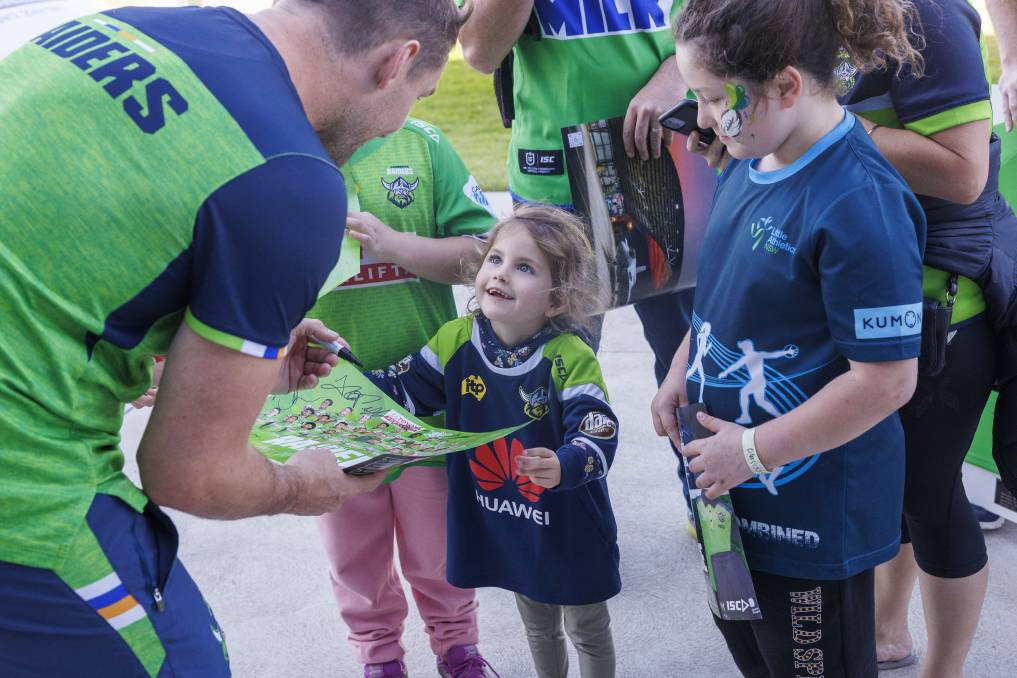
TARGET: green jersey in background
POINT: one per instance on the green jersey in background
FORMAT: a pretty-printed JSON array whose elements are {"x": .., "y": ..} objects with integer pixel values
[{"x": 413, "y": 181}]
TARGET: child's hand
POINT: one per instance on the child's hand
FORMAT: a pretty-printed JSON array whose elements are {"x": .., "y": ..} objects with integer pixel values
[
  {"x": 376, "y": 239},
  {"x": 670, "y": 397},
  {"x": 719, "y": 459},
  {"x": 541, "y": 465},
  {"x": 716, "y": 153},
  {"x": 145, "y": 400}
]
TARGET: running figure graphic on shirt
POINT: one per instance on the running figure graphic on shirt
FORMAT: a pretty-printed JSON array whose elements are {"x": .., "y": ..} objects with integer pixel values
[
  {"x": 755, "y": 387},
  {"x": 702, "y": 348}
]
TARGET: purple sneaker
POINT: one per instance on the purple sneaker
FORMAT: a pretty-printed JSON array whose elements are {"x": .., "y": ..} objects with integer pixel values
[
  {"x": 392, "y": 669},
  {"x": 465, "y": 661}
]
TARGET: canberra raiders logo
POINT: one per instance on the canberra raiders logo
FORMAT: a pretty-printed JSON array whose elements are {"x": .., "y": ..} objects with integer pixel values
[
  {"x": 845, "y": 73},
  {"x": 400, "y": 192},
  {"x": 535, "y": 404}
]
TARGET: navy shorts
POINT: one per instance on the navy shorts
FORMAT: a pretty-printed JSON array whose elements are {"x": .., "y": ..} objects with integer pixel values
[{"x": 121, "y": 605}]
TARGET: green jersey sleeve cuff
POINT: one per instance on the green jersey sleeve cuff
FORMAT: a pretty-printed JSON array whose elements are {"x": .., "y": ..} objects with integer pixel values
[
  {"x": 234, "y": 343},
  {"x": 978, "y": 110}
]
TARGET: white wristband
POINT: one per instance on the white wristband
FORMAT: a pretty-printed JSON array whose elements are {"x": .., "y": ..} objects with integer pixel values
[{"x": 749, "y": 450}]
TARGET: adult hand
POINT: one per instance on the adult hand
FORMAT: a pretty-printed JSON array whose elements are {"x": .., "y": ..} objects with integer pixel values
[
  {"x": 641, "y": 131},
  {"x": 670, "y": 397},
  {"x": 716, "y": 153},
  {"x": 1008, "y": 88},
  {"x": 376, "y": 239},
  {"x": 324, "y": 486},
  {"x": 718, "y": 460},
  {"x": 541, "y": 465},
  {"x": 303, "y": 364}
]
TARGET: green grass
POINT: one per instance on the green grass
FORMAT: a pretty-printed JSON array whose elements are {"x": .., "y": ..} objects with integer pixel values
[
  {"x": 465, "y": 109},
  {"x": 993, "y": 56}
]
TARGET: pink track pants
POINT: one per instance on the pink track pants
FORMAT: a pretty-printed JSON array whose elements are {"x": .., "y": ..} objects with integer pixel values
[{"x": 358, "y": 543}]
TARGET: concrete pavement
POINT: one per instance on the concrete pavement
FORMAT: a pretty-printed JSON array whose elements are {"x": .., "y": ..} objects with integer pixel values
[{"x": 267, "y": 579}]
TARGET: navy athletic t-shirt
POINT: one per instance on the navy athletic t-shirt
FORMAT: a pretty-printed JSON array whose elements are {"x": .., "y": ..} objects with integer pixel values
[{"x": 803, "y": 269}]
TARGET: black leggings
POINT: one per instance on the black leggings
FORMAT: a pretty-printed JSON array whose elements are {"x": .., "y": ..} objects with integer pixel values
[
  {"x": 939, "y": 424},
  {"x": 809, "y": 628}
]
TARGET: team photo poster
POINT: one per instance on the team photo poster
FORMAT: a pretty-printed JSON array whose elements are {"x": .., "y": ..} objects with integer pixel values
[{"x": 352, "y": 418}]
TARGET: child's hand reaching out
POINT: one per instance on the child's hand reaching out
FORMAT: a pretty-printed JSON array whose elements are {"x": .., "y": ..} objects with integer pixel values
[
  {"x": 377, "y": 239},
  {"x": 541, "y": 465}
]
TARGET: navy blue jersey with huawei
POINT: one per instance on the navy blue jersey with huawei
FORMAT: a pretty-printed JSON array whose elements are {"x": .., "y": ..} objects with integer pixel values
[
  {"x": 502, "y": 526},
  {"x": 803, "y": 269}
]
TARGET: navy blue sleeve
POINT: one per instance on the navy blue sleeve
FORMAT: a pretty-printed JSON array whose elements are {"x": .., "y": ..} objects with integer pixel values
[
  {"x": 416, "y": 382},
  {"x": 263, "y": 245},
  {"x": 954, "y": 76},
  {"x": 591, "y": 428},
  {"x": 868, "y": 246},
  {"x": 591, "y": 440}
]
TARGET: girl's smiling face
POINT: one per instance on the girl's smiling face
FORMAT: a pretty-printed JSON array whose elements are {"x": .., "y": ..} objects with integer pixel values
[{"x": 514, "y": 286}]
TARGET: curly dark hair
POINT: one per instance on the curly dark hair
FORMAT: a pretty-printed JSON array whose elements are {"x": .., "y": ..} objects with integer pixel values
[{"x": 756, "y": 39}]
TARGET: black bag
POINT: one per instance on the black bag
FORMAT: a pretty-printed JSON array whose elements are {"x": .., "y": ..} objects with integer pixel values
[
  {"x": 503, "y": 77},
  {"x": 503, "y": 91},
  {"x": 935, "y": 331}
]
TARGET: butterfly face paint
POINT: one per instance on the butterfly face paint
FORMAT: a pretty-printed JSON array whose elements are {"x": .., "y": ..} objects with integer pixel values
[{"x": 736, "y": 113}]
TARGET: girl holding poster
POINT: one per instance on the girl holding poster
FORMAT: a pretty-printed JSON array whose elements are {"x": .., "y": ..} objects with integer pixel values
[{"x": 810, "y": 297}]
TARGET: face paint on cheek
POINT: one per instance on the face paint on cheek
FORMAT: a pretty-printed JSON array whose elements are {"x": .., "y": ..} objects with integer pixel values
[
  {"x": 737, "y": 102},
  {"x": 731, "y": 123}
]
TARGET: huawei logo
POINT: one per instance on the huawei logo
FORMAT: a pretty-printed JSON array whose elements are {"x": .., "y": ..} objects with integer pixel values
[{"x": 493, "y": 469}]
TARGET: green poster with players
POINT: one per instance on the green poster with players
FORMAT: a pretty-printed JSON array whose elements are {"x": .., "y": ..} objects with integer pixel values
[
  {"x": 352, "y": 418},
  {"x": 730, "y": 591}
]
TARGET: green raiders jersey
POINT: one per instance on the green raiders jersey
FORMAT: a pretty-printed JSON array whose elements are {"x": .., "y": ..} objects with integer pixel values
[
  {"x": 412, "y": 181},
  {"x": 144, "y": 183},
  {"x": 586, "y": 62}
]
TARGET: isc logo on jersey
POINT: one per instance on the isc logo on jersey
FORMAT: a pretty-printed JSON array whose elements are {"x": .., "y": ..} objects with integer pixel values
[{"x": 568, "y": 19}]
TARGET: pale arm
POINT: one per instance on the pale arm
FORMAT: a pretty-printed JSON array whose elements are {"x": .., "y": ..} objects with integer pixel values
[
  {"x": 1004, "y": 20},
  {"x": 194, "y": 455},
  {"x": 492, "y": 30},
  {"x": 841, "y": 411},
  {"x": 671, "y": 395},
  {"x": 442, "y": 260},
  {"x": 952, "y": 164}
]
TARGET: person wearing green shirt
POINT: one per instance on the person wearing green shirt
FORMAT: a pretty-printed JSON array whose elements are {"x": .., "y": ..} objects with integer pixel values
[
  {"x": 574, "y": 62},
  {"x": 166, "y": 191}
]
